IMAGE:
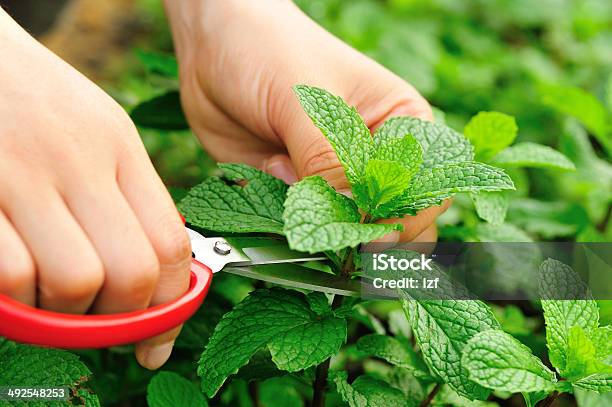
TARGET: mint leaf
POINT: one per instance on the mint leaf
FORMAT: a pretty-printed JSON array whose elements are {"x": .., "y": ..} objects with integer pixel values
[
  {"x": 561, "y": 290},
  {"x": 162, "y": 112},
  {"x": 342, "y": 126},
  {"x": 598, "y": 382},
  {"x": 490, "y": 132},
  {"x": 582, "y": 358},
  {"x": 31, "y": 366},
  {"x": 498, "y": 361},
  {"x": 405, "y": 150},
  {"x": 491, "y": 206},
  {"x": 442, "y": 328},
  {"x": 587, "y": 398},
  {"x": 440, "y": 144},
  {"x": 506, "y": 232},
  {"x": 383, "y": 181},
  {"x": 583, "y": 106},
  {"x": 532, "y": 399},
  {"x": 170, "y": 389},
  {"x": 158, "y": 63},
  {"x": 279, "y": 392},
  {"x": 367, "y": 391},
  {"x": 602, "y": 340},
  {"x": 317, "y": 218},
  {"x": 393, "y": 351},
  {"x": 533, "y": 155},
  {"x": 431, "y": 186},
  {"x": 278, "y": 319},
  {"x": 217, "y": 206}
]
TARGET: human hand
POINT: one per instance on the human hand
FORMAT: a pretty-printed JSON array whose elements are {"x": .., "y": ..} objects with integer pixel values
[
  {"x": 85, "y": 222},
  {"x": 238, "y": 62}
]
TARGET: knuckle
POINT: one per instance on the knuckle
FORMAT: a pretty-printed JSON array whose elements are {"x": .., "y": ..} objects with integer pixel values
[
  {"x": 137, "y": 278},
  {"x": 77, "y": 286},
  {"x": 174, "y": 247},
  {"x": 320, "y": 161},
  {"x": 16, "y": 274}
]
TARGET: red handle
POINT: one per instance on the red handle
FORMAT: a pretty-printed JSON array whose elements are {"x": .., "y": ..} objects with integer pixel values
[{"x": 26, "y": 324}]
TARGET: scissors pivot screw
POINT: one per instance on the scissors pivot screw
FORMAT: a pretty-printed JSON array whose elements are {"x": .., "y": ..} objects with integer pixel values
[{"x": 222, "y": 247}]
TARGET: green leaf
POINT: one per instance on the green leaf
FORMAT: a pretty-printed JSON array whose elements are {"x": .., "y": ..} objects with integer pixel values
[
  {"x": 393, "y": 351},
  {"x": 278, "y": 319},
  {"x": 442, "y": 328},
  {"x": 533, "y": 155},
  {"x": 583, "y": 106},
  {"x": 491, "y": 206},
  {"x": 531, "y": 399},
  {"x": 405, "y": 150},
  {"x": 280, "y": 392},
  {"x": 383, "y": 181},
  {"x": 317, "y": 218},
  {"x": 170, "y": 389},
  {"x": 602, "y": 340},
  {"x": 256, "y": 207},
  {"x": 31, "y": 366},
  {"x": 440, "y": 144},
  {"x": 367, "y": 391},
  {"x": 431, "y": 186},
  {"x": 561, "y": 290},
  {"x": 161, "y": 112},
  {"x": 342, "y": 126},
  {"x": 582, "y": 358},
  {"x": 598, "y": 382},
  {"x": 506, "y": 232},
  {"x": 158, "y": 63},
  {"x": 448, "y": 397},
  {"x": 490, "y": 132},
  {"x": 498, "y": 361},
  {"x": 586, "y": 398}
]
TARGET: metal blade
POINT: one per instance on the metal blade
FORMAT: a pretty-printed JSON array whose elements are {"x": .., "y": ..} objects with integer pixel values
[
  {"x": 217, "y": 252},
  {"x": 278, "y": 254},
  {"x": 300, "y": 277}
]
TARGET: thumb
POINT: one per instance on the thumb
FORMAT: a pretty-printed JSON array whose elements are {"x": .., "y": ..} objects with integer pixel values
[{"x": 309, "y": 151}]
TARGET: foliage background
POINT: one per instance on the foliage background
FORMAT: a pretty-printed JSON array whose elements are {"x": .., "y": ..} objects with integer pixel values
[{"x": 465, "y": 57}]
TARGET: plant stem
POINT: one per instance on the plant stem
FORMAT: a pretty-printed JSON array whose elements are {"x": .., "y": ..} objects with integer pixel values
[
  {"x": 348, "y": 264},
  {"x": 549, "y": 400},
  {"x": 430, "y": 396},
  {"x": 320, "y": 383}
]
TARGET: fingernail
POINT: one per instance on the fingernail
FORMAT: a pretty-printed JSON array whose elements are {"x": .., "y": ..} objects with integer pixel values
[
  {"x": 346, "y": 192},
  {"x": 283, "y": 170},
  {"x": 157, "y": 355}
]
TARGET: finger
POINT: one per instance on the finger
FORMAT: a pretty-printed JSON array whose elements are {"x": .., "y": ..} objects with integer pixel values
[
  {"x": 161, "y": 222},
  {"x": 429, "y": 235},
  {"x": 309, "y": 150},
  {"x": 130, "y": 265},
  {"x": 416, "y": 225},
  {"x": 280, "y": 166},
  {"x": 17, "y": 272},
  {"x": 68, "y": 269}
]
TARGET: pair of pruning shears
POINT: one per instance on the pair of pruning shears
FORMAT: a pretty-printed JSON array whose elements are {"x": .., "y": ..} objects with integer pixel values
[{"x": 263, "y": 258}]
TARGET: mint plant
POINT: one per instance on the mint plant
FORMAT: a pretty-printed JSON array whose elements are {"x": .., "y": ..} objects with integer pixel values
[
  {"x": 578, "y": 347},
  {"x": 492, "y": 134},
  {"x": 408, "y": 165},
  {"x": 286, "y": 346}
]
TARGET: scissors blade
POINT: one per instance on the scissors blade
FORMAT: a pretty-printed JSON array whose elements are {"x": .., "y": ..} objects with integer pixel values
[
  {"x": 296, "y": 276},
  {"x": 218, "y": 252}
]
